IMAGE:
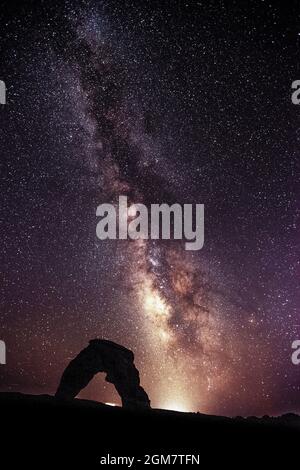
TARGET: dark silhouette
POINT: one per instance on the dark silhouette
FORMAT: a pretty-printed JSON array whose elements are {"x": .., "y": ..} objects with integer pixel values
[
  {"x": 105, "y": 356},
  {"x": 73, "y": 434}
]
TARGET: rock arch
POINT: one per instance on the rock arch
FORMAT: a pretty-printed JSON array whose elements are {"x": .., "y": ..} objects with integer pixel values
[{"x": 116, "y": 361}]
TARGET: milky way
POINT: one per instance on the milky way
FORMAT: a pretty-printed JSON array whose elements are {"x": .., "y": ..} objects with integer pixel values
[{"x": 188, "y": 105}]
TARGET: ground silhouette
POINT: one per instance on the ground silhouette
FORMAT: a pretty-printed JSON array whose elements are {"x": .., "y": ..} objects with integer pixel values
[
  {"x": 64, "y": 432},
  {"x": 77, "y": 433}
]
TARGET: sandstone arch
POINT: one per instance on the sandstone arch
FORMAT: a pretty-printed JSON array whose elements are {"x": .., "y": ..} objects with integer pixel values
[{"x": 116, "y": 361}]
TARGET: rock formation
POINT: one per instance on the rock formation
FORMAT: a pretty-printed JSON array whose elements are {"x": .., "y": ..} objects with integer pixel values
[{"x": 116, "y": 361}]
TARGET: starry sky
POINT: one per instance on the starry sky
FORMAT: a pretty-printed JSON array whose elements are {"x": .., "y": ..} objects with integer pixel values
[{"x": 175, "y": 101}]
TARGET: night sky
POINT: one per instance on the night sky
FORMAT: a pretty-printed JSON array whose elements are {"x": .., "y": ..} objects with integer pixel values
[{"x": 176, "y": 101}]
